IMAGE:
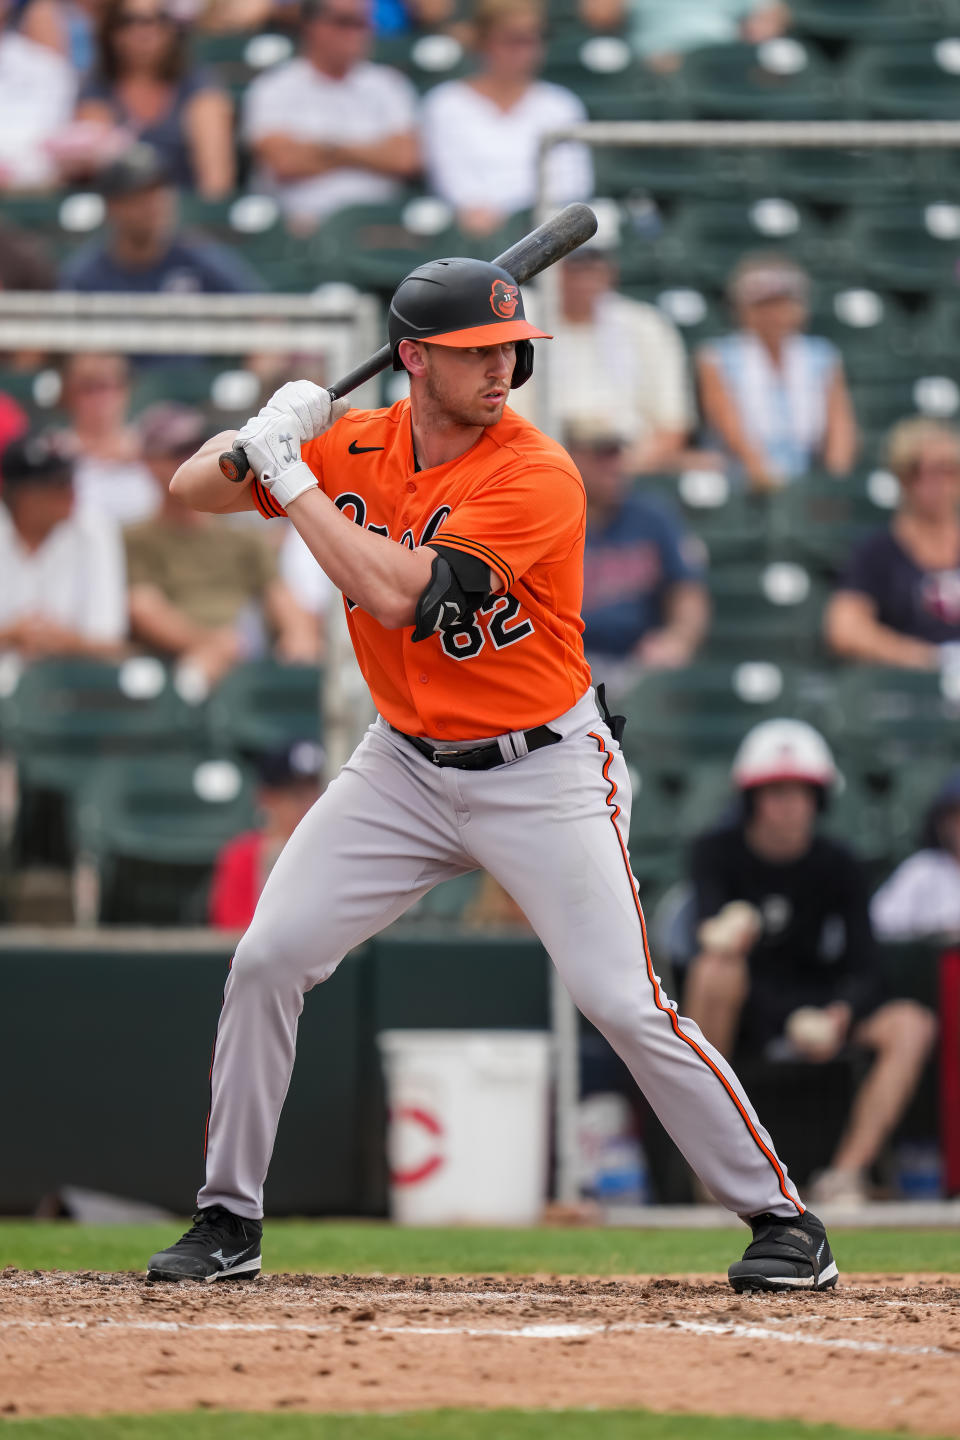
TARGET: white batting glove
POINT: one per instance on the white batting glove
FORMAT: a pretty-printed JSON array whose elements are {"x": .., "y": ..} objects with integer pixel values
[
  {"x": 272, "y": 447},
  {"x": 307, "y": 406}
]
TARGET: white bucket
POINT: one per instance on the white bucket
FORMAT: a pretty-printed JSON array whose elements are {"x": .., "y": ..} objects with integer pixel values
[{"x": 467, "y": 1135}]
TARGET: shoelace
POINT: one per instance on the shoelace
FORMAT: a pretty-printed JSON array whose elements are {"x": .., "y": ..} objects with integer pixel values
[{"x": 204, "y": 1227}]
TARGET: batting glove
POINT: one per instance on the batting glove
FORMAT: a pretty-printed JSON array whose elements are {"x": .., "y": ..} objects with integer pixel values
[
  {"x": 308, "y": 407},
  {"x": 272, "y": 447}
]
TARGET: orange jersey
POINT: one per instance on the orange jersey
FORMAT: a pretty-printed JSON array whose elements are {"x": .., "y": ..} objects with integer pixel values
[{"x": 514, "y": 500}]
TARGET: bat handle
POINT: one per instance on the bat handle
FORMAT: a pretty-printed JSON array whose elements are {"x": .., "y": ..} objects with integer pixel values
[{"x": 234, "y": 464}]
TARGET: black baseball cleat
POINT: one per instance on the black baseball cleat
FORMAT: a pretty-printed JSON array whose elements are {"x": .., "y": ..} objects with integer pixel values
[
  {"x": 785, "y": 1254},
  {"x": 218, "y": 1246}
]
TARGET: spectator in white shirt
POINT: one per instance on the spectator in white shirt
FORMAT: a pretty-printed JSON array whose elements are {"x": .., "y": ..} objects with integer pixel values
[
  {"x": 617, "y": 361},
  {"x": 64, "y": 583},
  {"x": 110, "y": 475},
  {"x": 37, "y": 93},
  {"x": 329, "y": 128},
  {"x": 481, "y": 135},
  {"x": 922, "y": 897}
]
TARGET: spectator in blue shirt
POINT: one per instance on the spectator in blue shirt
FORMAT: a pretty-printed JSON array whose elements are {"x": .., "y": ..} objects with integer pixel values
[
  {"x": 145, "y": 252},
  {"x": 645, "y": 604}
]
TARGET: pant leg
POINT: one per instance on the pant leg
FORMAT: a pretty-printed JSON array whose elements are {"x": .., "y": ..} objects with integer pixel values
[
  {"x": 376, "y": 840},
  {"x": 552, "y": 829}
]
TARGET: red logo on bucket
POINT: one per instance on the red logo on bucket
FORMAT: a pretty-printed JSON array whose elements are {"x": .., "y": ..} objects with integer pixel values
[
  {"x": 504, "y": 299},
  {"x": 413, "y": 1115}
]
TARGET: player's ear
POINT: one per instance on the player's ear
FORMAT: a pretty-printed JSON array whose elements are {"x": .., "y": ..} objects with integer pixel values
[{"x": 413, "y": 357}]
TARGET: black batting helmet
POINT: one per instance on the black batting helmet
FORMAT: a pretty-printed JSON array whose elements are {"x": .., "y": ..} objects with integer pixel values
[{"x": 460, "y": 302}]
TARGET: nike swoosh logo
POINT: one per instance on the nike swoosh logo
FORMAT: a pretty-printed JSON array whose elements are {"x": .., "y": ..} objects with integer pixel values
[
  {"x": 226, "y": 1260},
  {"x": 354, "y": 449}
]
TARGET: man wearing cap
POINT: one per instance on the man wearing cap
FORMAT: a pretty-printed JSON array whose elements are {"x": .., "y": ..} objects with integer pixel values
[
  {"x": 615, "y": 360},
  {"x": 62, "y": 590},
  {"x": 774, "y": 399},
  {"x": 200, "y": 593},
  {"x": 290, "y": 781},
  {"x": 330, "y": 128},
  {"x": 788, "y": 965},
  {"x": 645, "y": 604},
  {"x": 145, "y": 252}
]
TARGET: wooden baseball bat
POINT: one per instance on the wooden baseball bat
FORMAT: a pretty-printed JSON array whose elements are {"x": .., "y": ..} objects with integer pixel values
[{"x": 542, "y": 247}]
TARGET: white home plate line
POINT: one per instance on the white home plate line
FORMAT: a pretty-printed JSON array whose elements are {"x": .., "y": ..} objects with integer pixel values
[{"x": 560, "y": 1331}]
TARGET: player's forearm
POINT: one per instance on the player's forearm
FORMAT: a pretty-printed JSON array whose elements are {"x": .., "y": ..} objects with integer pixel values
[
  {"x": 381, "y": 576},
  {"x": 200, "y": 484}
]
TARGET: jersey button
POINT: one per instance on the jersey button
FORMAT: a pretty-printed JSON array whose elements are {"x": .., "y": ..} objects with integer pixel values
[
  {"x": 411, "y": 487},
  {"x": 424, "y": 679}
]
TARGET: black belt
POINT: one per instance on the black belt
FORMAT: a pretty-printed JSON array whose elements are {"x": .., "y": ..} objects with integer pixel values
[{"x": 480, "y": 757}]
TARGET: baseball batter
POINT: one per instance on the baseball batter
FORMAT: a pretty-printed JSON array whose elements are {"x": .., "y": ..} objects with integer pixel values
[{"x": 454, "y": 531}]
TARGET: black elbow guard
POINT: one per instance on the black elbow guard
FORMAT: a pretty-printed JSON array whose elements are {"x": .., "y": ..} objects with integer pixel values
[{"x": 459, "y": 585}]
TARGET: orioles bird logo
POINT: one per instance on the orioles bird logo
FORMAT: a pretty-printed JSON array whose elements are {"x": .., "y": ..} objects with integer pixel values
[{"x": 504, "y": 299}]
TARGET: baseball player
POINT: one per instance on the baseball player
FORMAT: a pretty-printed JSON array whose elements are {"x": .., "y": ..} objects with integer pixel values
[{"x": 454, "y": 531}]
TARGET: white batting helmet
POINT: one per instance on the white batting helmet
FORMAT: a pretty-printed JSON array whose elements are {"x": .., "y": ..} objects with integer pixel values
[{"x": 783, "y": 750}]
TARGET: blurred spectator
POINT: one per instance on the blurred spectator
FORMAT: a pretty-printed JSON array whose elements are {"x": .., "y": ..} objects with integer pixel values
[
  {"x": 24, "y": 263},
  {"x": 615, "y": 359},
  {"x": 67, "y": 26},
  {"x": 13, "y": 424},
  {"x": 788, "y": 965},
  {"x": 922, "y": 896},
  {"x": 145, "y": 251},
  {"x": 144, "y": 85},
  {"x": 898, "y": 601},
  {"x": 329, "y": 128},
  {"x": 481, "y": 135},
  {"x": 290, "y": 782},
  {"x": 644, "y": 601},
  {"x": 37, "y": 90},
  {"x": 310, "y": 586},
  {"x": 110, "y": 475},
  {"x": 663, "y": 33},
  {"x": 63, "y": 574},
  {"x": 200, "y": 590},
  {"x": 774, "y": 399}
]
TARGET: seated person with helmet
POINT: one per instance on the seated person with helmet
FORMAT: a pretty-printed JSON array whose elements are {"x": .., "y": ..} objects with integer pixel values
[{"x": 787, "y": 963}]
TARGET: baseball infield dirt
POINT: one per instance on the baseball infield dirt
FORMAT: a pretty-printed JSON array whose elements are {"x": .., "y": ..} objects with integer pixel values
[{"x": 881, "y": 1352}]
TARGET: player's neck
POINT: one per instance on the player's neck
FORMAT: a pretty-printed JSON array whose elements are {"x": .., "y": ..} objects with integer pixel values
[{"x": 438, "y": 439}]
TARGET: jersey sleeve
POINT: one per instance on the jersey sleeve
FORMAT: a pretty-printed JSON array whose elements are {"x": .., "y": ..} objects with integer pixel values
[{"x": 535, "y": 515}]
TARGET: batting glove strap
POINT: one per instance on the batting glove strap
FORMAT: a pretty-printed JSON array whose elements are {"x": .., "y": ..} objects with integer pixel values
[{"x": 290, "y": 484}]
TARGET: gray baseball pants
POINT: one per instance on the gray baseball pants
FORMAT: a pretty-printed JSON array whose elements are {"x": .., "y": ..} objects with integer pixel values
[{"x": 552, "y": 828}]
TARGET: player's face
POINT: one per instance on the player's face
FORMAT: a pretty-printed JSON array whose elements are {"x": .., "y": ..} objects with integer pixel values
[
  {"x": 469, "y": 386},
  {"x": 784, "y": 814}
]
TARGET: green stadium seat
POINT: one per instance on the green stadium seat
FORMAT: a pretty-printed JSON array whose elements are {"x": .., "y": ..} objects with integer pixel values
[
  {"x": 427, "y": 60},
  {"x": 150, "y": 830},
  {"x": 874, "y": 333},
  {"x": 678, "y": 719},
  {"x": 868, "y": 20},
  {"x": 19, "y": 385},
  {"x": 931, "y": 390},
  {"x": 894, "y": 716},
  {"x": 908, "y": 81},
  {"x": 706, "y": 239},
  {"x": 766, "y": 612},
  {"x": 937, "y": 334},
  {"x": 733, "y": 526},
  {"x": 910, "y": 247},
  {"x": 374, "y": 246},
  {"x": 698, "y": 314},
  {"x": 667, "y": 171},
  {"x": 860, "y": 816},
  {"x": 836, "y": 177},
  {"x": 779, "y": 80},
  {"x": 819, "y": 519},
  {"x": 264, "y": 706},
  {"x": 612, "y": 84},
  {"x": 186, "y": 382}
]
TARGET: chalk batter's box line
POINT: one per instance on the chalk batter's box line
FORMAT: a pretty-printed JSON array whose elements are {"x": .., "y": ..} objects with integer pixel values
[{"x": 562, "y": 1331}]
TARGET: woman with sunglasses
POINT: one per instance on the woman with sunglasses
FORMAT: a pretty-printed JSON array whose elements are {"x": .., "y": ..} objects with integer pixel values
[
  {"x": 144, "y": 84},
  {"x": 898, "y": 602}
]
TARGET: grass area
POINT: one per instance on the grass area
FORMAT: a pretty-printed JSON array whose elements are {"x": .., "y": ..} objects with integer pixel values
[
  {"x": 338, "y": 1247},
  {"x": 435, "y": 1425}
]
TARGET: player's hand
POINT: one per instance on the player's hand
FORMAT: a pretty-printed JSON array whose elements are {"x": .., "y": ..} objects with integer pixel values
[
  {"x": 308, "y": 407},
  {"x": 272, "y": 448}
]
